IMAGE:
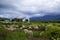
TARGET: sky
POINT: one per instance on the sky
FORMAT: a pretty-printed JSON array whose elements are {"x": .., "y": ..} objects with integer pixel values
[{"x": 28, "y": 8}]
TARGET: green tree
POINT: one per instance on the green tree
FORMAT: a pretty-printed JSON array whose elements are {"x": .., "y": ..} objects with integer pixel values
[{"x": 17, "y": 19}]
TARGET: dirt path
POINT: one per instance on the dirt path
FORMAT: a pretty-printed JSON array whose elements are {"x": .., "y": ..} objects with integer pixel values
[{"x": 38, "y": 38}]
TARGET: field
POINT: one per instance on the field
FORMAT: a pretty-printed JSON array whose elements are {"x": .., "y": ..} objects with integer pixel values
[{"x": 29, "y": 31}]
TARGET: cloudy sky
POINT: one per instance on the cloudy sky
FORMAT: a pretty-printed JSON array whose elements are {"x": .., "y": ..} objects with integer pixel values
[{"x": 28, "y": 8}]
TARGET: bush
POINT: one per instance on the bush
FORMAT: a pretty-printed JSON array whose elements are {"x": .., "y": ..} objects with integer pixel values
[
  {"x": 36, "y": 34},
  {"x": 51, "y": 31},
  {"x": 42, "y": 28},
  {"x": 45, "y": 34}
]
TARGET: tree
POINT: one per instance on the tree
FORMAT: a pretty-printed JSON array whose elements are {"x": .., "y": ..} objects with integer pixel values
[{"x": 17, "y": 19}]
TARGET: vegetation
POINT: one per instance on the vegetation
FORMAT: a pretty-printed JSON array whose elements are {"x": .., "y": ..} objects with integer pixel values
[
  {"x": 40, "y": 30},
  {"x": 17, "y": 20},
  {"x": 3, "y": 19}
]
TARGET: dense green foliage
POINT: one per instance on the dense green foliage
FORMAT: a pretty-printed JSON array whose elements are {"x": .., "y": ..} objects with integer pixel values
[
  {"x": 3, "y": 19},
  {"x": 17, "y": 20}
]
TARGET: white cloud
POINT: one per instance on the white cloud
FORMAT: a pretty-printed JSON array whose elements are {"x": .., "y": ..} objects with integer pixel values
[
  {"x": 22, "y": 8},
  {"x": 39, "y": 5}
]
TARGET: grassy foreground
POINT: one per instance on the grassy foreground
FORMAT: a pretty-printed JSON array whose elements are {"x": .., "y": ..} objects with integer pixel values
[{"x": 34, "y": 31}]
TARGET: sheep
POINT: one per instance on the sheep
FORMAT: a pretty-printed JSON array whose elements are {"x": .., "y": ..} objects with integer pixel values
[
  {"x": 29, "y": 32},
  {"x": 21, "y": 27},
  {"x": 25, "y": 30},
  {"x": 29, "y": 27},
  {"x": 16, "y": 26},
  {"x": 11, "y": 28},
  {"x": 36, "y": 27},
  {"x": 24, "y": 26}
]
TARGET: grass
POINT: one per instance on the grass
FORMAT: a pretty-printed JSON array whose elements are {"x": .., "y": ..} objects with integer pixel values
[
  {"x": 36, "y": 34},
  {"x": 12, "y": 35},
  {"x": 16, "y": 36}
]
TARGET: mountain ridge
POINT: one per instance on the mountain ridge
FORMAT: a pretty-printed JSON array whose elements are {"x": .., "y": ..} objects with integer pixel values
[{"x": 46, "y": 17}]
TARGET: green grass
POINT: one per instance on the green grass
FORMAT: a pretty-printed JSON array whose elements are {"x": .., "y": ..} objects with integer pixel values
[
  {"x": 12, "y": 35},
  {"x": 16, "y": 36},
  {"x": 36, "y": 34}
]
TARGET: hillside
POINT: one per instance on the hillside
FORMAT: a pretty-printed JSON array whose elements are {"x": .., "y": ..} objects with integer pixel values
[{"x": 46, "y": 17}]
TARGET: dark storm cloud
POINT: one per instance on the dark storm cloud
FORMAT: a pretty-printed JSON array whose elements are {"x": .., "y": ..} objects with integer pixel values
[{"x": 30, "y": 8}]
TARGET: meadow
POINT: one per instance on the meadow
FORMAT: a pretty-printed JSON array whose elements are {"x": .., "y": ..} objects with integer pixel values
[{"x": 34, "y": 30}]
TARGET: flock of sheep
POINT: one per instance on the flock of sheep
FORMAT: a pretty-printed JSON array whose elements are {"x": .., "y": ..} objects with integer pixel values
[{"x": 28, "y": 29}]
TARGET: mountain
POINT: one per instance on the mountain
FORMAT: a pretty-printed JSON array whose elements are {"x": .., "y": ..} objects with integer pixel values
[{"x": 46, "y": 17}]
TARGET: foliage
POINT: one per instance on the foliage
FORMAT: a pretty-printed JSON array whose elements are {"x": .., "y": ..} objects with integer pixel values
[
  {"x": 36, "y": 34},
  {"x": 3, "y": 19},
  {"x": 17, "y": 19},
  {"x": 51, "y": 31}
]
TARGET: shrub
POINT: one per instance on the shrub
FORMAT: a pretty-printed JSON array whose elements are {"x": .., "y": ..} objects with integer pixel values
[
  {"x": 36, "y": 34},
  {"x": 51, "y": 31}
]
